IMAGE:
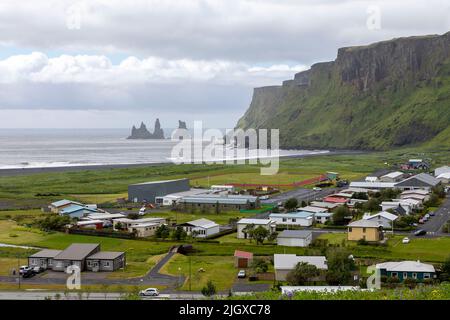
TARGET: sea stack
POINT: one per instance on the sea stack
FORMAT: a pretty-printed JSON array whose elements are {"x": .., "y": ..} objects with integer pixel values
[{"x": 143, "y": 133}]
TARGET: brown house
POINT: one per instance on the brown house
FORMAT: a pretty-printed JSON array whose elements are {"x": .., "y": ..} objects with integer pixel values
[
  {"x": 368, "y": 230},
  {"x": 242, "y": 259}
]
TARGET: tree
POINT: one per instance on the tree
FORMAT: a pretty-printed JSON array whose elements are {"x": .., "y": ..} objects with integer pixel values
[
  {"x": 179, "y": 233},
  {"x": 302, "y": 273},
  {"x": 162, "y": 232},
  {"x": 304, "y": 204},
  {"x": 372, "y": 205},
  {"x": 433, "y": 201},
  {"x": 248, "y": 231},
  {"x": 209, "y": 290},
  {"x": 340, "y": 266},
  {"x": 291, "y": 204},
  {"x": 259, "y": 265},
  {"x": 259, "y": 234},
  {"x": 339, "y": 215},
  {"x": 53, "y": 222}
]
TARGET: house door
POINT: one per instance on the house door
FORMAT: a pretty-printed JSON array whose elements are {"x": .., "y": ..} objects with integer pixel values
[
  {"x": 242, "y": 263},
  {"x": 95, "y": 266}
]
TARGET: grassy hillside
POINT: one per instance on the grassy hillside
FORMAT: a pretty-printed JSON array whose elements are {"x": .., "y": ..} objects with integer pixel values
[{"x": 383, "y": 96}]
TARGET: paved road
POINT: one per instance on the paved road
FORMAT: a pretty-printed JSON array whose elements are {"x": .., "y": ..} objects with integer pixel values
[{"x": 442, "y": 215}]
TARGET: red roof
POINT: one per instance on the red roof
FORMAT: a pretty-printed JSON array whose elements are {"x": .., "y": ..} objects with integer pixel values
[
  {"x": 334, "y": 199},
  {"x": 243, "y": 254}
]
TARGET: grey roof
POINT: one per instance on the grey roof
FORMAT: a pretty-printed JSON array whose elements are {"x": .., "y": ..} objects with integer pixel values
[
  {"x": 406, "y": 266},
  {"x": 46, "y": 253},
  {"x": 77, "y": 251},
  {"x": 255, "y": 221},
  {"x": 106, "y": 255},
  {"x": 301, "y": 234},
  {"x": 419, "y": 180},
  {"x": 211, "y": 199},
  {"x": 202, "y": 223},
  {"x": 369, "y": 185},
  {"x": 364, "y": 224},
  {"x": 157, "y": 182},
  {"x": 289, "y": 261}
]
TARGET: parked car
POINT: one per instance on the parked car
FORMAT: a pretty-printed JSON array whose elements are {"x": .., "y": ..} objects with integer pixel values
[
  {"x": 152, "y": 292},
  {"x": 24, "y": 269},
  {"x": 38, "y": 269},
  {"x": 427, "y": 216},
  {"x": 317, "y": 189},
  {"x": 241, "y": 274},
  {"x": 405, "y": 240},
  {"x": 142, "y": 211},
  {"x": 264, "y": 197},
  {"x": 28, "y": 273},
  {"x": 431, "y": 213},
  {"x": 420, "y": 232},
  {"x": 422, "y": 220}
]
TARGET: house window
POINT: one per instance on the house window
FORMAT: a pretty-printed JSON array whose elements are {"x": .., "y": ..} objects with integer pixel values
[
  {"x": 364, "y": 230},
  {"x": 284, "y": 219},
  {"x": 426, "y": 276},
  {"x": 89, "y": 263},
  {"x": 414, "y": 275},
  {"x": 294, "y": 220},
  {"x": 394, "y": 274},
  {"x": 349, "y": 229},
  {"x": 106, "y": 263},
  {"x": 405, "y": 275}
]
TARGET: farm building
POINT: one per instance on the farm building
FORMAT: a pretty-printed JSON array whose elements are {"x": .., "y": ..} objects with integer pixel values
[
  {"x": 148, "y": 191},
  {"x": 214, "y": 202},
  {"x": 242, "y": 259}
]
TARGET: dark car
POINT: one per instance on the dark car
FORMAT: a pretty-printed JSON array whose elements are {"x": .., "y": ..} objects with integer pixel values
[
  {"x": 28, "y": 274},
  {"x": 420, "y": 232}
]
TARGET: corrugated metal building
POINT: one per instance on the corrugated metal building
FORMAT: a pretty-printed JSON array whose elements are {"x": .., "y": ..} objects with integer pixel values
[{"x": 148, "y": 191}]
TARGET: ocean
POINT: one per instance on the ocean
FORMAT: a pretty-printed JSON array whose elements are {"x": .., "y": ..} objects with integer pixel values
[{"x": 41, "y": 148}]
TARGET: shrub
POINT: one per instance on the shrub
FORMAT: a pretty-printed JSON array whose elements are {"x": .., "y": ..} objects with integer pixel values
[
  {"x": 362, "y": 242},
  {"x": 209, "y": 290},
  {"x": 410, "y": 282}
]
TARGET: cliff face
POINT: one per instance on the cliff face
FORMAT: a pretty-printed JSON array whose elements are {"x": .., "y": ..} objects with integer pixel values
[{"x": 384, "y": 95}]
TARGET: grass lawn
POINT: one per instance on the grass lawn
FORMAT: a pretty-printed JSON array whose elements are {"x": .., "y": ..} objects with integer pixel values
[
  {"x": 220, "y": 270},
  {"x": 181, "y": 217},
  {"x": 424, "y": 249},
  {"x": 136, "y": 268},
  {"x": 7, "y": 264}
]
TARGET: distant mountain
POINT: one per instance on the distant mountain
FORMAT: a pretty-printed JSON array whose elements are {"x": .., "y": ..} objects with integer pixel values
[
  {"x": 143, "y": 133},
  {"x": 389, "y": 94}
]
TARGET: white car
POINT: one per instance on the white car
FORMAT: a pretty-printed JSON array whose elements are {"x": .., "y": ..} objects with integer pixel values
[
  {"x": 143, "y": 211},
  {"x": 405, "y": 240},
  {"x": 24, "y": 269},
  {"x": 152, "y": 292},
  {"x": 241, "y": 274},
  {"x": 317, "y": 189}
]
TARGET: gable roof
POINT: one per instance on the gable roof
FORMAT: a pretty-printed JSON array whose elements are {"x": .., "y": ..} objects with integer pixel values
[
  {"x": 405, "y": 266},
  {"x": 322, "y": 204},
  {"x": 77, "y": 251},
  {"x": 201, "y": 223},
  {"x": 243, "y": 254},
  {"x": 74, "y": 208},
  {"x": 421, "y": 179},
  {"x": 384, "y": 214},
  {"x": 255, "y": 221},
  {"x": 63, "y": 202},
  {"x": 393, "y": 175},
  {"x": 313, "y": 209},
  {"x": 300, "y": 234},
  {"x": 298, "y": 215},
  {"x": 289, "y": 261},
  {"x": 106, "y": 255},
  {"x": 445, "y": 175}
]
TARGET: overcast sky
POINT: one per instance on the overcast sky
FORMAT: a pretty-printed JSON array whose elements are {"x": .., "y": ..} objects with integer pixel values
[{"x": 114, "y": 63}]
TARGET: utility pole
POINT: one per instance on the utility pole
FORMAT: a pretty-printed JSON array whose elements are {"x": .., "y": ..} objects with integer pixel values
[
  {"x": 18, "y": 269},
  {"x": 190, "y": 273}
]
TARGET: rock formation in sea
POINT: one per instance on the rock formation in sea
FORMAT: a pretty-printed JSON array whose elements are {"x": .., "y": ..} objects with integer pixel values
[{"x": 143, "y": 133}]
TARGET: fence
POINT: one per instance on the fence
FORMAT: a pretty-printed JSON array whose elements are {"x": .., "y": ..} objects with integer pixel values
[{"x": 102, "y": 233}]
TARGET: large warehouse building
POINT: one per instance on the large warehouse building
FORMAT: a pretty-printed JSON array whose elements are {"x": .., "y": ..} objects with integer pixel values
[{"x": 148, "y": 191}]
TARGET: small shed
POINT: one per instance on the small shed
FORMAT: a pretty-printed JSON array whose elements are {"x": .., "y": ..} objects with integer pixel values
[
  {"x": 242, "y": 259},
  {"x": 294, "y": 238}
]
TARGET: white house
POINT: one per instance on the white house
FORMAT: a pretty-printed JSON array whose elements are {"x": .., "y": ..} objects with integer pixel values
[
  {"x": 284, "y": 263},
  {"x": 218, "y": 188},
  {"x": 441, "y": 170},
  {"x": 294, "y": 238},
  {"x": 171, "y": 198},
  {"x": 201, "y": 228},
  {"x": 444, "y": 178},
  {"x": 141, "y": 227},
  {"x": 327, "y": 205},
  {"x": 387, "y": 205},
  {"x": 268, "y": 224},
  {"x": 417, "y": 194},
  {"x": 384, "y": 218},
  {"x": 322, "y": 217},
  {"x": 303, "y": 219},
  {"x": 312, "y": 209}
]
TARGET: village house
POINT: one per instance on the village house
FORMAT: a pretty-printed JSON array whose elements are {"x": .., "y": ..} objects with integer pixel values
[
  {"x": 242, "y": 259},
  {"x": 441, "y": 170},
  {"x": 142, "y": 228},
  {"x": 326, "y": 205},
  {"x": 303, "y": 219},
  {"x": 201, "y": 228},
  {"x": 444, "y": 178},
  {"x": 368, "y": 230},
  {"x": 214, "y": 202},
  {"x": 407, "y": 270},
  {"x": 242, "y": 225},
  {"x": 322, "y": 217},
  {"x": 76, "y": 211},
  {"x": 294, "y": 238},
  {"x": 87, "y": 256},
  {"x": 285, "y": 263},
  {"x": 419, "y": 181},
  {"x": 417, "y": 194},
  {"x": 55, "y": 207},
  {"x": 393, "y": 205},
  {"x": 385, "y": 219},
  {"x": 395, "y": 176}
]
